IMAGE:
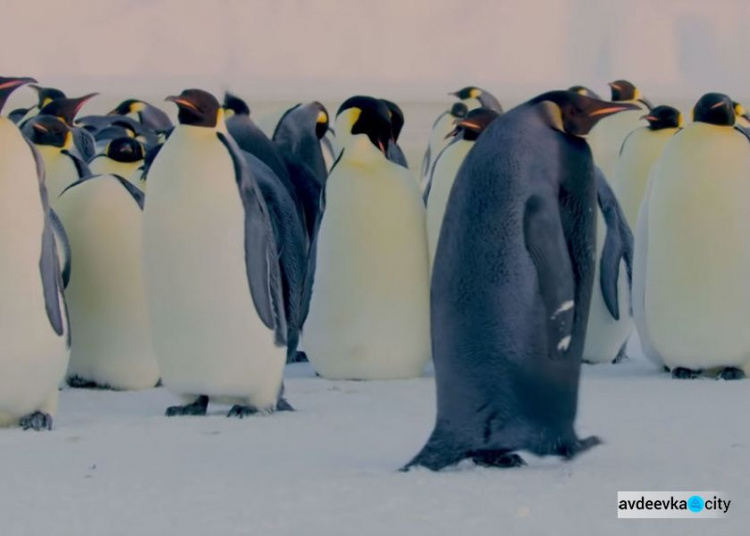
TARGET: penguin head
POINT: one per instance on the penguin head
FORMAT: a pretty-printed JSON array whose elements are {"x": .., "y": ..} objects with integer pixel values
[
  {"x": 198, "y": 108},
  {"x": 622, "y": 90},
  {"x": 45, "y": 95},
  {"x": 576, "y": 114},
  {"x": 583, "y": 90},
  {"x": 714, "y": 109},
  {"x": 234, "y": 105},
  {"x": 459, "y": 110},
  {"x": 124, "y": 150},
  {"x": 368, "y": 116},
  {"x": 65, "y": 108},
  {"x": 397, "y": 118},
  {"x": 128, "y": 106},
  {"x": 476, "y": 121},
  {"x": 468, "y": 92},
  {"x": 48, "y": 130},
  {"x": 8, "y": 84},
  {"x": 663, "y": 117}
]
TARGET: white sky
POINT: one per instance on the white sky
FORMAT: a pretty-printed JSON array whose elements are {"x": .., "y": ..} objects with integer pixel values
[{"x": 406, "y": 48}]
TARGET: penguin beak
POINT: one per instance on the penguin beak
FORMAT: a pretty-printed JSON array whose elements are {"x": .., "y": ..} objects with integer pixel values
[
  {"x": 451, "y": 134},
  {"x": 614, "y": 86},
  {"x": 40, "y": 128},
  {"x": 648, "y": 117},
  {"x": 717, "y": 105},
  {"x": 609, "y": 110},
  {"x": 12, "y": 83},
  {"x": 182, "y": 103},
  {"x": 80, "y": 101},
  {"x": 382, "y": 148}
]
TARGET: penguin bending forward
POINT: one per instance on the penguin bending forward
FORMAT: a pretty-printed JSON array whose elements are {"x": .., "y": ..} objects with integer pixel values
[
  {"x": 214, "y": 288},
  {"x": 511, "y": 285}
]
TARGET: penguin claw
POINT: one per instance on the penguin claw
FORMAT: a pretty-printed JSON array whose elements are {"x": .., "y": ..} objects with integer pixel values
[
  {"x": 731, "y": 373},
  {"x": 37, "y": 421},
  {"x": 579, "y": 446},
  {"x": 621, "y": 356},
  {"x": 197, "y": 408},
  {"x": 681, "y": 373},
  {"x": 299, "y": 357},
  {"x": 497, "y": 458},
  {"x": 283, "y": 405}
]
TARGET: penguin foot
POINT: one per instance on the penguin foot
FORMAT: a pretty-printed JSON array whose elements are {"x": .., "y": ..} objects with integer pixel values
[
  {"x": 241, "y": 411},
  {"x": 197, "y": 408},
  {"x": 76, "y": 382},
  {"x": 621, "y": 356},
  {"x": 680, "y": 373},
  {"x": 571, "y": 450},
  {"x": 283, "y": 405},
  {"x": 496, "y": 458},
  {"x": 36, "y": 421},
  {"x": 731, "y": 373},
  {"x": 299, "y": 357},
  {"x": 665, "y": 368}
]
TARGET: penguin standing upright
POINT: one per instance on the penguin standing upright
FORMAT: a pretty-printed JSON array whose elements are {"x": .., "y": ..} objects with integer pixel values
[
  {"x": 446, "y": 167},
  {"x": 639, "y": 151},
  {"x": 610, "y": 319},
  {"x": 66, "y": 109},
  {"x": 54, "y": 142},
  {"x": 106, "y": 295},
  {"x": 122, "y": 157},
  {"x": 396, "y": 114},
  {"x": 693, "y": 260},
  {"x": 215, "y": 293},
  {"x": 34, "y": 329},
  {"x": 369, "y": 295},
  {"x": 511, "y": 285},
  {"x": 299, "y": 132},
  {"x": 607, "y": 137}
]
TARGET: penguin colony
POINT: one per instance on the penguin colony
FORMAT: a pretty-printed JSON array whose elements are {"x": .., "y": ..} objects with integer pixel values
[{"x": 207, "y": 254}]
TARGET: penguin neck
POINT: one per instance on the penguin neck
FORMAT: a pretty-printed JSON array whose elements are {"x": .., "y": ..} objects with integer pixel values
[{"x": 360, "y": 149}]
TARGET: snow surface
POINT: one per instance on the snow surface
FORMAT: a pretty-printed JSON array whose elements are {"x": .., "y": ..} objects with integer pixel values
[{"x": 114, "y": 465}]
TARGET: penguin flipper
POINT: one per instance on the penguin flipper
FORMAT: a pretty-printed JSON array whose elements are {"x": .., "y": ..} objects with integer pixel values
[
  {"x": 61, "y": 238},
  {"x": 261, "y": 254},
  {"x": 137, "y": 195},
  {"x": 85, "y": 144},
  {"x": 81, "y": 167},
  {"x": 618, "y": 245},
  {"x": 545, "y": 242}
]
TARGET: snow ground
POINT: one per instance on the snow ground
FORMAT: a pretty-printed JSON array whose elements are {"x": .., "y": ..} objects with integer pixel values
[{"x": 114, "y": 465}]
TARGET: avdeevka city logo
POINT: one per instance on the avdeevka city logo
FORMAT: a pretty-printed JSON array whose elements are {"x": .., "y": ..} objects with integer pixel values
[
  {"x": 696, "y": 503},
  {"x": 672, "y": 504}
]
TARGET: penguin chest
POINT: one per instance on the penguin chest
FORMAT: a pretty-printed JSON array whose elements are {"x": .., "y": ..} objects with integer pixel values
[
  {"x": 106, "y": 296},
  {"x": 698, "y": 257},
  {"x": 443, "y": 176},
  {"x": 59, "y": 171},
  {"x": 207, "y": 334},
  {"x": 369, "y": 314},
  {"x": 126, "y": 170},
  {"x": 32, "y": 356}
]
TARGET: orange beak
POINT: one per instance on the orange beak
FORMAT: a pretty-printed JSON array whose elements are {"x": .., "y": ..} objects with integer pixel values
[{"x": 182, "y": 102}]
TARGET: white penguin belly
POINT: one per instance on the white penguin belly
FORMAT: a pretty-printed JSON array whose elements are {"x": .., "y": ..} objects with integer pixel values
[
  {"x": 697, "y": 300},
  {"x": 127, "y": 170},
  {"x": 632, "y": 167},
  {"x": 207, "y": 333},
  {"x": 443, "y": 176},
  {"x": 605, "y": 335},
  {"x": 106, "y": 295},
  {"x": 369, "y": 314},
  {"x": 608, "y": 135},
  {"x": 59, "y": 171},
  {"x": 33, "y": 357}
]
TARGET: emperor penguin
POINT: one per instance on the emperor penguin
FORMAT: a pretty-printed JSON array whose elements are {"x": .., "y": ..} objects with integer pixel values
[
  {"x": 213, "y": 284},
  {"x": 395, "y": 154},
  {"x": 66, "y": 109},
  {"x": 742, "y": 116},
  {"x": 122, "y": 157},
  {"x": 299, "y": 132},
  {"x": 53, "y": 140},
  {"x": 34, "y": 330},
  {"x": 446, "y": 167},
  {"x": 106, "y": 296},
  {"x": 610, "y": 319},
  {"x": 638, "y": 153},
  {"x": 511, "y": 285},
  {"x": 607, "y": 137},
  {"x": 586, "y": 92},
  {"x": 692, "y": 248},
  {"x": 147, "y": 114},
  {"x": 368, "y": 298},
  {"x": 475, "y": 97}
]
